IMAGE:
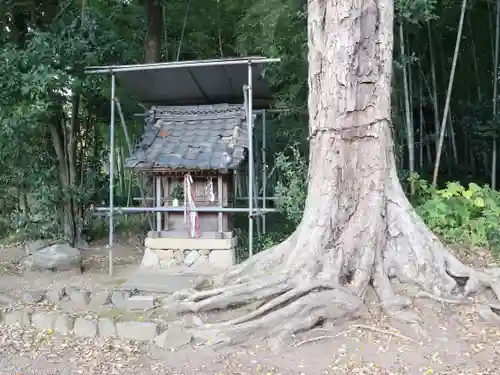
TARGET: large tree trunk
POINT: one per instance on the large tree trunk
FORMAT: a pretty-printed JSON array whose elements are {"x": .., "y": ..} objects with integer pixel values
[{"x": 358, "y": 228}]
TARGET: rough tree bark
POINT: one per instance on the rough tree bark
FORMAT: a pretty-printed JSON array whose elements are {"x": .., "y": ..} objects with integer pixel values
[
  {"x": 152, "y": 53},
  {"x": 358, "y": 228}
]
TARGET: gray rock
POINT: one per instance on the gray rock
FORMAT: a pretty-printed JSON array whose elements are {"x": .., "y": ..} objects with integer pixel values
[
  {"x": 64, "y": 324},
  {"x": 166, "y": 258},
  {"x": 34, "y": 246},
  {"x": 33, "y": 296},
  {"x": 118, "y": 298},
  {"x": 201, "y": 263},
  {"x": 19, "y": 318},
  {"x": 140, "y": 303},
  {"x": 191, "y": 320},
  {"x": 42, "y": 320},
  {"x": 150, "y": 259},
  {"x": 137, "y": 331},
  {"x": 55, "y": 293},
  {"x": 58, "y": 257},
  {"x": 106, "y": 328},
  {"x": 221, "y": 259},
  {"x": 204, "y": 252},
  {"x": 179, "y": 256},
  {"x": 191, "y": 257},
  {"x": 85, "y": 328},
  {"x": 174, "y": 337},
  {"x": 99, "y": 299},
  {"x": 6, "y": 300},
  {"x": 79, "y": 297}
]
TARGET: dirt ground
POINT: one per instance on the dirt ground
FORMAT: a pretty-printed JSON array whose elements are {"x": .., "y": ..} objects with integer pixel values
[{"x": 455, "y": 341}]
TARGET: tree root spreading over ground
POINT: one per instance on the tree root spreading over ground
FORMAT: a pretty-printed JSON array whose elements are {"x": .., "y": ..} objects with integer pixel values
[{"x": 322, "y": 271}]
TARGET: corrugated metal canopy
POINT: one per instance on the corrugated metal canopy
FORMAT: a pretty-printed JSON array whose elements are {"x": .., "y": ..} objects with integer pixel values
[{"x": 193, "y": 82}]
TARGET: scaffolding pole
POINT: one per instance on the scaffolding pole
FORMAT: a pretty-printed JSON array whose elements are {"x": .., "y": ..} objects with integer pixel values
[
  {"x": 118, "y": 210},
  {"x": 178, "y": 64},
  {"x": 250, "y": 161},
  {"x": 111, "y": 174},
  {"x": 264, "y": 168}
]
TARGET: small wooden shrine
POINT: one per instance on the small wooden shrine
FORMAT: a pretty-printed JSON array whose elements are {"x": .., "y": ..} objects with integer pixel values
[{"x": 187, "y": 157}]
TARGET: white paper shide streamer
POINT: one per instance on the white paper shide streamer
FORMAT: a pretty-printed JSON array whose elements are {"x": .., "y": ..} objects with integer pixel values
[{"x": 190, "y": 217}]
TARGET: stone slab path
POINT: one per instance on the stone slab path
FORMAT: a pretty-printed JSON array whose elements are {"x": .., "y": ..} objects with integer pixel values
[{"x": 161, "y": 282}]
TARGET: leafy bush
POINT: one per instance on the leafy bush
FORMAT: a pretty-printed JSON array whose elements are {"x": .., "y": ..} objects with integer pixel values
[
  {"x": 127, "y": 225},
  {"x": 458, "y": 214},
  {"x": 291, "y": 190}
]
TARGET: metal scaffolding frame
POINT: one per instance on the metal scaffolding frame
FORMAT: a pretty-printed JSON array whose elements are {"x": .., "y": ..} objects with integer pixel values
[{"x": 252, "y": 211}]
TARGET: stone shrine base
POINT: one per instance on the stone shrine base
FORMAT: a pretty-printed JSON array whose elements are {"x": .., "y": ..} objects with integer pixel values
[{"x": 169, "y": 251}]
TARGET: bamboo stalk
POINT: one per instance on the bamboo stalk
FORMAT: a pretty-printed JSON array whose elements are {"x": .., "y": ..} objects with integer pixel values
[
  {"x": 495, "y": 93},
  {"x": 448, "y": 94},
  {"x": 435, "y": 103}
]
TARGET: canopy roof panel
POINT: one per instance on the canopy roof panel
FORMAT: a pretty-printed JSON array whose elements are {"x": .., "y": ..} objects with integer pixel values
[{"x": 202, "y": 82}]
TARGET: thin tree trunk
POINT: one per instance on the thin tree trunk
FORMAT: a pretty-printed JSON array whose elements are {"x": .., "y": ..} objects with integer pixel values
[
  {"x": 435, "y": 102},
  {"x": 24, "y": 205},
  {"x": 84, "y": 11},
  {"x": 410, "y": 77},
  {"x": 18, "y": 205},
  {"x": 165, "y": 30},
  {"x": 155, "y": 28},
  {"x": 409, "y": 127},
  {"x": 66, "y": 209},
  {"x": 121, "y": 169},
  {"x": 451, "y": 132},
  {"x": 421, "y": 126},
  {"x": 495, "y": 93},
  {"x": 474, "y": 58},
  {"x": 72, "y": 133},
  {"x": 448, "y": 93},
  {"x": 492, "y": 42},
  {"x": 453, "y": 140},
  {"x": 428, "y": 139},
  {"x": 73, "y": 130}
]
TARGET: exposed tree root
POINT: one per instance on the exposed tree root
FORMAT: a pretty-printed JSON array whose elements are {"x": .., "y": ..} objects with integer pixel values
[
  {"x": 329, "y": 283},
  {"x": 299, "y": 315},
  {"x": 321, "y": 273},
  {"x": 235, "y": 295}
]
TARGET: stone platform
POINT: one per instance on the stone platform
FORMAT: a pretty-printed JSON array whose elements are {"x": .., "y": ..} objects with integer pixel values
[{"x": 174, "y": 250}]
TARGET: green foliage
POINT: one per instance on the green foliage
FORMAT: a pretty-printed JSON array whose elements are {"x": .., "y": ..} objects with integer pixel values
[
  {"x": 40, "y": 75},
  {"x": 291, "y": 190},
  {"x": 127, "y": 225},
  {"x": 470, "y": 216},
  {"x": 178, "y": 192},
  {"x": 278, "y": 28},
  {"x": 415, "y": 11}
]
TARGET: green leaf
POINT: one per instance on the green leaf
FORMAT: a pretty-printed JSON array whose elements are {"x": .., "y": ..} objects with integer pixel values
[
  {"x": 467, "y": 194},
  {"x": 479, "y": 202}
]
